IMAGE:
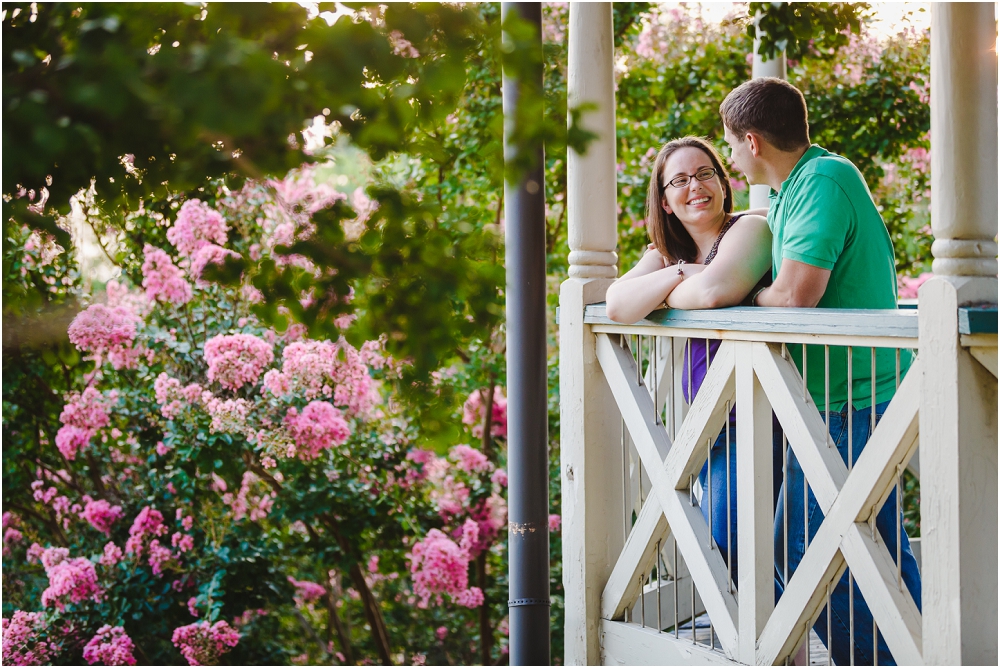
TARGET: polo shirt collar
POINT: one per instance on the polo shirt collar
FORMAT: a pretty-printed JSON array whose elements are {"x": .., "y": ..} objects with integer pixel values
[{"x": 813, "y": 152}]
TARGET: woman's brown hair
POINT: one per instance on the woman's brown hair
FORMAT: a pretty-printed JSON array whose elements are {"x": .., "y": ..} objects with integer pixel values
[{"x": 665, "y": 229}]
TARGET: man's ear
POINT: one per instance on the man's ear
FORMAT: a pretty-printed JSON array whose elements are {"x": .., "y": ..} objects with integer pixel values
[{"x": 755, "y": 144}]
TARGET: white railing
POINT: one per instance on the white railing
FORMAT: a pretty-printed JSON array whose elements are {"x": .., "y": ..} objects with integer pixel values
[{"x": 663, "y": 546}]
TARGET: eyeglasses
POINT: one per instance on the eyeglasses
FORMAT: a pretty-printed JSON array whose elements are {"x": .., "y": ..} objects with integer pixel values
[{"x": 682, "y": 180}]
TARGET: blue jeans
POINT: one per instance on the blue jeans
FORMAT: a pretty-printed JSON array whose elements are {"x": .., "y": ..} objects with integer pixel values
[{"x": 794, "y": 484}]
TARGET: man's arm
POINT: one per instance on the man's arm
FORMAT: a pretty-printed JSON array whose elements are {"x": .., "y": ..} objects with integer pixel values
[{"x": 798, "y": 284}]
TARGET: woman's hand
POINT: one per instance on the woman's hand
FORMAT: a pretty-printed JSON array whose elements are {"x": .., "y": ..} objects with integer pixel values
[
  {"x": 645, "y": 287},
  {"x": 744, "y": 255}
]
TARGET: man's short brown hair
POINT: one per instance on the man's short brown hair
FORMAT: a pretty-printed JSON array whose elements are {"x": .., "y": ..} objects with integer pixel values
[{"x": 770, "y": 107}]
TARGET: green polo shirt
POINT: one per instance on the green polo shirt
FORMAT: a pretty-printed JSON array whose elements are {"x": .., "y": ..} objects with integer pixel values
[{"x": 824, "y": 216}]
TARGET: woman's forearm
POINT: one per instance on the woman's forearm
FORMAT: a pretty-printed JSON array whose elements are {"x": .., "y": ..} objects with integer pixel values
[
  {"x": 630, "y": 300},
  {"x": 699, "y": 291}
]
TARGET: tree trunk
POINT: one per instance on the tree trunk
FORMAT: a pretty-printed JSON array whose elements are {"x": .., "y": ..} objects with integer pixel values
[
  {"x": 374, "y": 614},
  {"x": 342, "y": 633}
]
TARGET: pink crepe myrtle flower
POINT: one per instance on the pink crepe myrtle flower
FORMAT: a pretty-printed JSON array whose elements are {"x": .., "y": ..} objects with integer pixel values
[
  {"x": 909, "y": 287},
  {"x": 314, "y": 369},
  {"x": 469, "y": 459},
  {"x": 107, "y": 333},
  {"x": 70, "y": 580},
  {"x": 111, "y": 647},
  {"x": 441, "y": 632},
  {"x": 440, "y": 566},
  {"x": 70, "y": 440},
  {"x": 159, "y": 555},
  {"x": 499, "y": 477},
  {"x": 418, "y": 659},
  {"x": 35, "y": 553},
  {"x": 318, "y": 427},
  {"x": 162, "y": 448},
  {"x": 472, "y": 413},
  {"x": 555, "y": 521},
  {"x": 202, "y": 644},
  {"x": 149, "y": 522},
  {"x": 22, "y": 640},
  {"x": 163, "y": 280},
  {"x": 87, "y": 410},
  {"x": 112, "y": 555},
  {"x": 83, "y": 416},
  {"x": 306, "y": 591},
  {"x": 172, "y": 396},
  {"x": 229, "y": 416},
  {"x": 101, "y": 515},
  {"x": 182, "y": 541},
  {"x": 236, "y": 359},
  {"x": 192, "y": 606},
  {"x": 197, "y": 225},
  {"x": 206, "y": 255}
]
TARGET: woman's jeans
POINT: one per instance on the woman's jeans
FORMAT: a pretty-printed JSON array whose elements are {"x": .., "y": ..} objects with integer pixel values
[{"x": 794, "y": 486}]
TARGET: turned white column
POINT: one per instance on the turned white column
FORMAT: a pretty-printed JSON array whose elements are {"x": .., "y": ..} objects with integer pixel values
[
  {"x": 958, "y": 408},
  {"x": 775, "y": 67},
  {"x": 590, "y": 423}
]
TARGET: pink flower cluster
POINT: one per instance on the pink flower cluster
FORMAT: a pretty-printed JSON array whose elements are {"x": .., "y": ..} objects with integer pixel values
[
  {"x": 472, "y": 413},
  {"x": 312, "y": 369},
  {"x": 107, "y": 333},
  {"x": 70, "y": 580},
  {"x": 163, "y": 280},
  {"x": 22, "y": 640},
  {"x": 910, "y": 287},
  {"x": 439, "y": 566},
  {"x": 100, "y": 514},
  {"x": 469, "y": 459},
  {"x": 318, "y": 427},
  {"x": 245, "y": 503},
  {"x": 206, "y": 255},
  {"x": 112, "y": 555},
  {"x": 228, "y": 416},
  {"x": 202, "y": 644},
  {"x": 172, "y": 396},
  {"x": 306, "y": 591},
  {"x": 197, "y": 225},
  {"x": 111, "y": 647},
  {"x": 119, "y": 295},
  {"x": 159, "y": 555},
  {"x": 149, "y": 522},
  {"x": 82, "y": 417},
  {"x": 236, "y": 359}
]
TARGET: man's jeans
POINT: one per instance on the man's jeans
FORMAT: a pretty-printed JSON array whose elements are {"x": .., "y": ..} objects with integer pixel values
[{"x": 794, "y": 486}]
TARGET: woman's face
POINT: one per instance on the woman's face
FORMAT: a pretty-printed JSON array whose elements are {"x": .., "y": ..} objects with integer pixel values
[{"x": 699, "y": 202}]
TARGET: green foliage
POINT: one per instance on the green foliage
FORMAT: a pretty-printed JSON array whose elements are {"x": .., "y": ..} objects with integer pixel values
[{"x": 804, "y": 29}]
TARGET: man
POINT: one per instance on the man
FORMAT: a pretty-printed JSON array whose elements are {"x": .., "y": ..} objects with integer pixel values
[{"x": 830, "y": 249}]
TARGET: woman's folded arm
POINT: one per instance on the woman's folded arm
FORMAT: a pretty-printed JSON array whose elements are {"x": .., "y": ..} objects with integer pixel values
[{"x": 744, "y": 256}]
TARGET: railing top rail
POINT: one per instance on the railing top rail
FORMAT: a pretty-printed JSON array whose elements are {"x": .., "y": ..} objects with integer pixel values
[
  {"x": 881, "y": 323},
  {"x": 977, "y": 320}
]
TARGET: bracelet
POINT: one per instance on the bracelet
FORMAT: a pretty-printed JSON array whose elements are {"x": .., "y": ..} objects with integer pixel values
[
  {"x": 680, "y": 270},
  {"x": 753, "y": 300}
]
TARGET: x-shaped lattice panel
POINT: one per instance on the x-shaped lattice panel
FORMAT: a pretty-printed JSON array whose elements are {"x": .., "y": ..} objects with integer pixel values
[{"x": 755, "y": 633}]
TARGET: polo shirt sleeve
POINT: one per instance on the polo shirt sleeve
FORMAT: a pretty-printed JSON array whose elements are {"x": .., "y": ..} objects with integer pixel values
[{"x": 817, "y": 222}]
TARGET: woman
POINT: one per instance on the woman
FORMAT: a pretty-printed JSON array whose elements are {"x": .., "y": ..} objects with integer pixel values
[{"x": 701, "y": 256}]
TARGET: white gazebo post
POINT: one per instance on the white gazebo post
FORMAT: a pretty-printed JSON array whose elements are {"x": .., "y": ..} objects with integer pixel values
[
  {"x": 590, "y": 424},
  {"x": 774, "y": 67},
  {"x": 958, "y": 406}
]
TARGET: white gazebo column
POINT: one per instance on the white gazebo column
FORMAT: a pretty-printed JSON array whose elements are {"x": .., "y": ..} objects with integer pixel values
[
  {"x": 590, "y": 423},
  {"x": 774, "y": 67},
  {"x": 958, "y": 407}
]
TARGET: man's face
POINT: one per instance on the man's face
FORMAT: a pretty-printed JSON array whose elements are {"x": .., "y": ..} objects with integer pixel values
[{"x": 741, "y": 155}]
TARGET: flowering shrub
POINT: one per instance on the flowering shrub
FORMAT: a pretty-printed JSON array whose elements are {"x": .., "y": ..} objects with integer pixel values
[
  {"x": 215, "y": 474},
  {"x": 111, "y": 647},
  {"x": 203, "y": 644}
]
